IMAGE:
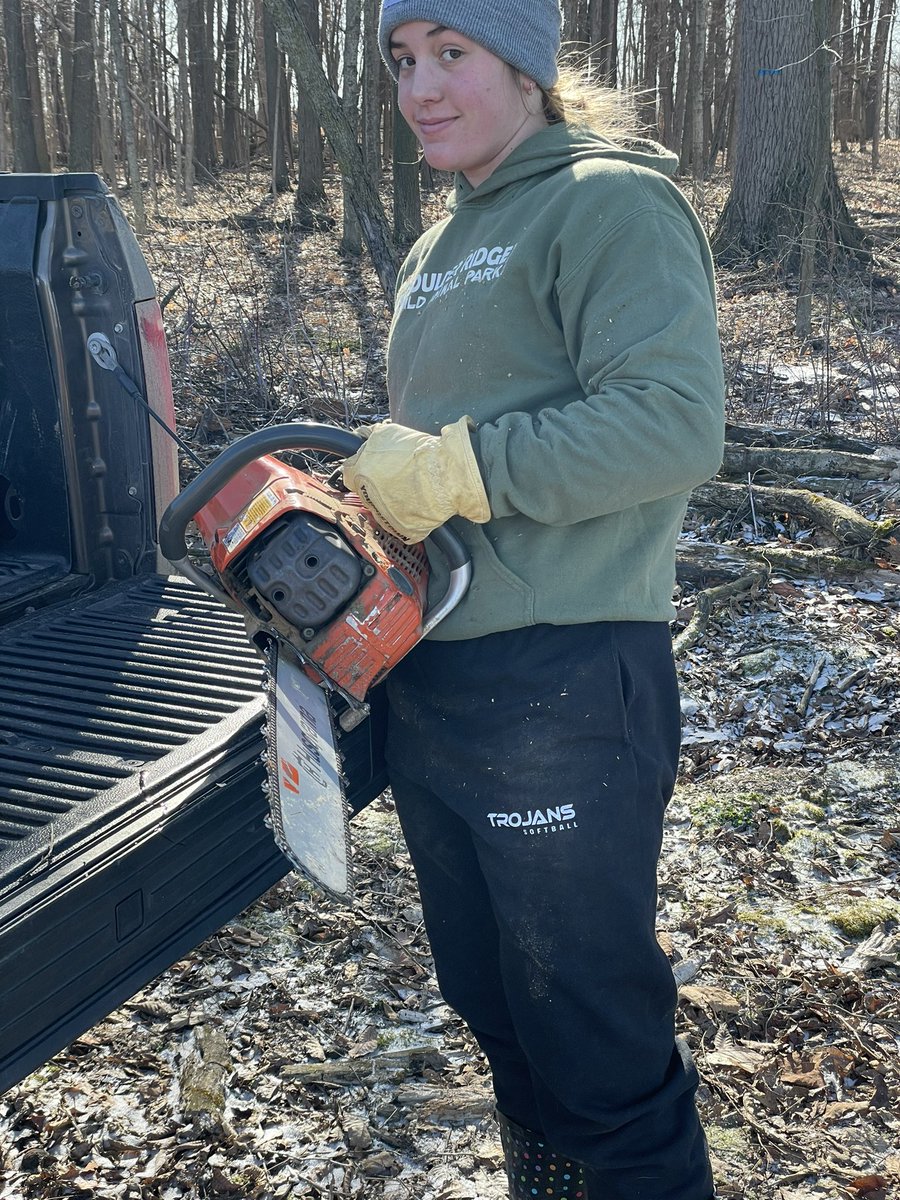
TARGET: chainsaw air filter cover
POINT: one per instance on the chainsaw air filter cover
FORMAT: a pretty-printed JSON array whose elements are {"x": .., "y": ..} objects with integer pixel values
[{"x": 305, "y": 571}]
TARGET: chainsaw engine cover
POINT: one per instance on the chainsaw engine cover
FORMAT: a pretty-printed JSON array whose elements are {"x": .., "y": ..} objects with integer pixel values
[
  {"x": 304, "y": 570},
  {"x": 306, "y": 561}
]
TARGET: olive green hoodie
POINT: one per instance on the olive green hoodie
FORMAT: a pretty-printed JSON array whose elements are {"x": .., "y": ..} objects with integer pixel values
[{"x": 568, "y": 305}]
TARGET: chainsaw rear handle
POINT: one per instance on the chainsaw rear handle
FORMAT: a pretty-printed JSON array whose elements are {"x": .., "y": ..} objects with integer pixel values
[{"x": 295, "y": 436}]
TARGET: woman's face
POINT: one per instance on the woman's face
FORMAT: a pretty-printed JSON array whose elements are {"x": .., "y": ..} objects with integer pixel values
[{"x": 466, "y": 106}]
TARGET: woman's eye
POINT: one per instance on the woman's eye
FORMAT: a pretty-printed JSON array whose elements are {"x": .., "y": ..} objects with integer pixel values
[
  {"x": 451, "y": 53},
  {"x": 404, "y": 61}
]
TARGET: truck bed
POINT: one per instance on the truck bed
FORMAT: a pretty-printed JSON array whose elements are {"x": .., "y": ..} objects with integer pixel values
[{"x": 132, "y": 815}]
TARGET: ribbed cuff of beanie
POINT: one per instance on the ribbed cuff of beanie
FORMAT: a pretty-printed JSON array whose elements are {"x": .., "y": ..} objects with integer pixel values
[{"x": 524, "y": 33}]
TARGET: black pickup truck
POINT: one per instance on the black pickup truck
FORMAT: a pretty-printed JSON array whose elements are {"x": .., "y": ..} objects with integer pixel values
[{"x": 132, "y": 814}]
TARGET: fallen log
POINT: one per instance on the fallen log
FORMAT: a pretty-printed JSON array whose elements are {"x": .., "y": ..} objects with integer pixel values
[
  {"x": 389, "y": 1064},
  {"x": 810, "y": 564},
  {"x": 851, "y": 491},
  {"x": 789, "y": 463},
  {"x": 768, "y": 435},
  {"x": 855, "y": 534},
  {"x": 438, "y": 1106},
  {"x": 203, "y": 1076},
  {"x": 704, "y": 564}
]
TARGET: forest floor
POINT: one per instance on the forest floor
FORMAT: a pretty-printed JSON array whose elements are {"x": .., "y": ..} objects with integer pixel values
[{"x": 304, "y": 1051}]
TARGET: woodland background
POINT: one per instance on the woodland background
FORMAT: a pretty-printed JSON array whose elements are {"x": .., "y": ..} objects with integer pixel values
[
  {"x": 304, "y": 1050},
  {"x": 175, "y": 91}
]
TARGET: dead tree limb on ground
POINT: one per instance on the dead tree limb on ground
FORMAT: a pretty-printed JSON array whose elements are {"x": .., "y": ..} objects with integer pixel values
[
  {"x": 704, "y": 603},
  {"x": 706, "y": 564},
  {"x": 775, "y": 435},
  {"x": 857, "y": 536}
]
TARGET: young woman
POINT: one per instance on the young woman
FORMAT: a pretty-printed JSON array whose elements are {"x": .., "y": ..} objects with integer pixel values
[{"x": 555, "y": 379}]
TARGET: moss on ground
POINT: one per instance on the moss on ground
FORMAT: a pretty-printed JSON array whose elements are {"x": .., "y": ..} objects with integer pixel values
[
  {"x": 711, "y": 810},
  {"x": 857, "y": 920}
]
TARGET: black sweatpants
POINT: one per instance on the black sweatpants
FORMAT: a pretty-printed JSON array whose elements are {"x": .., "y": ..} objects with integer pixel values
[{"x": 530, "y": 771}]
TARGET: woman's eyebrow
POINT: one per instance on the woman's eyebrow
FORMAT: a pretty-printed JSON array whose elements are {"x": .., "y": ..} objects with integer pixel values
[{"x": 394, "y": 45}]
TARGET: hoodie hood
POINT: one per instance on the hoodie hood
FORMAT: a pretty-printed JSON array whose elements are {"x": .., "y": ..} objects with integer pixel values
[{"x": 561, "y": 146}]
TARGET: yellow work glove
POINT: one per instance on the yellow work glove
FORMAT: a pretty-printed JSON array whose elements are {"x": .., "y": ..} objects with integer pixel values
[{"x": 413, "y": 482}]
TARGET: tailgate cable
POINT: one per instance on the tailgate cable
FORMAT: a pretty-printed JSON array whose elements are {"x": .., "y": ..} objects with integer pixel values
[{"x": 104, "y": 355}]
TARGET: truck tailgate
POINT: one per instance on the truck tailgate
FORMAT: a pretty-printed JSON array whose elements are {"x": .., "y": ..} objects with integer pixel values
[{"x": 132, "y": 816}]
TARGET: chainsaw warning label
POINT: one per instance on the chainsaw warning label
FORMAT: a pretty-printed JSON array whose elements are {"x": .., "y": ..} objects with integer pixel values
[{"x": 258, "y": 508}]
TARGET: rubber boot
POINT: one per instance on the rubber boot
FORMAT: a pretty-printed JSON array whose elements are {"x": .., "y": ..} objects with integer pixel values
[{"x": 534, "y": 1169}]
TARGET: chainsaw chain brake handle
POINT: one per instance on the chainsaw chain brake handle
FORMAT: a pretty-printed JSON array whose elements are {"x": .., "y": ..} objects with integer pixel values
[{"x": 327, "y": 439}]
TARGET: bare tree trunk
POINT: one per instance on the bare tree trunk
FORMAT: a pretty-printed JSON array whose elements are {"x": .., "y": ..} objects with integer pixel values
[
  {"x": 842, "y": 45},
  {"x": 34, "y": 85},
  {"x": 570, "y": 20},
  {"x": 629, "y": 58},
  {"x": 351, "y": 238},
  {"x": 714, "y": 74},
  {"x": 879, "y": 54},
  {"x": 305, "y": 59},
  {"x": 373, "y": 73},
  {"x": 667, "y": 76},
  {"x": 125, "y": 107},
  {"x": 651, "y": 34},
  {"x": 681, "y": 47},
  {"x": 82, "y": 97},
  {"x": 157, "y": 64},
  {"x": 57, "y": 48},
  {"x": 25, "y": 146},
  {"x": 144, "y": 97},
  {"x": 311, "y": 166},
  {"x": 780, "y": 140},
  {"x": 200, "y": 65},
  {"x": 407, "y": 197},
  {"x": 185, "y": 169},
  {"x": 233, "y": 142},
  {"x": 603, "y": 25},
  {"x": 275, "y": 101},
  {"x": 809, "y": 234},
  {"x": 61, "y": 95},
  {"x": 107, "y": 135},
  {"x": 698, "y": 97},
  {"x": 866, "y": 26}
]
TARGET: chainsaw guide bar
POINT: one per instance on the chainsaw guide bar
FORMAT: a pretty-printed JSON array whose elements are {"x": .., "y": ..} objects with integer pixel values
[{"x": 309, "y": 813}]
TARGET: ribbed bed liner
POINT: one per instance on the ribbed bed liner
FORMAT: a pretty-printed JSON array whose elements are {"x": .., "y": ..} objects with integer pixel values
[{"x": 101, "y": 696}]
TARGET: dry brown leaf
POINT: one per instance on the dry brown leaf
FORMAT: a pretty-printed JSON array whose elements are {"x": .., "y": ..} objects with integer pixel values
[
  {"x": 380, "y": 1164},
  {"x": 666, "y": 944},
  {"x": 842, "y": 1108},
  {"x": 739, "y": 1057},
  {"x": 867, "y": 1184},
  {"x": 711, "y": 999},
  {"x": 807, "y": 1070}
]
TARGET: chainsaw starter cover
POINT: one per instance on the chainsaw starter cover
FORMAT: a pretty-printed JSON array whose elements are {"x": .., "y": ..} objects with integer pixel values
[{"x": 305, "y": 571}]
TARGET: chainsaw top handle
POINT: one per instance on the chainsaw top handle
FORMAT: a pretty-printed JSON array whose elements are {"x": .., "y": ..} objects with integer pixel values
[{"x": 294, "y": 436}]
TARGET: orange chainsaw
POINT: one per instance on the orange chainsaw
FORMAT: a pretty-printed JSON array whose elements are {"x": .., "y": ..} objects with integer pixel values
[{"x": 331, "y": 600}]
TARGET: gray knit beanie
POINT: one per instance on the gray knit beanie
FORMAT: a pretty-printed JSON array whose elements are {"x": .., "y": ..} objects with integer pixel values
[{"x": 524, "y": 33}]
